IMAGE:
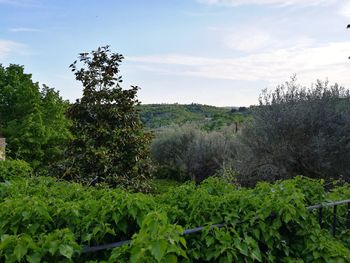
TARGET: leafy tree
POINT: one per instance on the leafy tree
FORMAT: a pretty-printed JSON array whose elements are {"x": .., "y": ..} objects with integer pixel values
[
  {"x": 296, "y": 130},
  {"x": 32, "y": 119},
  {"x": 110, "y": 145},
  {"x": 186, "y": 152}
]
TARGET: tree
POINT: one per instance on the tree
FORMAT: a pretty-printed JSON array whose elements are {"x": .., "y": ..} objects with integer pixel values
[
  {"x": 32, "y": 119},
  {"x": 295, "y": 131},
  {"x": 110, "y": 145},
  {"x": 188, "y": 153},
  {"x": 57, "y": 124}
]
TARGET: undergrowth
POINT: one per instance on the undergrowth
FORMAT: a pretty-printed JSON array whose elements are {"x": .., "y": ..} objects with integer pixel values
[{"x": 45, "y": 220}]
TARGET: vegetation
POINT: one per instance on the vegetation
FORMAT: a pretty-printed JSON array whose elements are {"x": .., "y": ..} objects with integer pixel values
[
  {"x": 100, "y": 141},
  {"x": 32, "y": 119},
  {"x": 160, "y": 186},
  {"x": 188, "y": 153},
  {"x": 297, "y": 131},
  {"x": 10, "y": 169},
  {"x": 42, "y": 219},
  {"x": 110, "y": 146},
  {"x": 206, "y": 117}
]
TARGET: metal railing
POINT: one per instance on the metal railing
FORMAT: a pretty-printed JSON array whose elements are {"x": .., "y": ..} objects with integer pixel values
[
  {"x": 335, "y": 205},
  {"x": 200, "y": 228}
]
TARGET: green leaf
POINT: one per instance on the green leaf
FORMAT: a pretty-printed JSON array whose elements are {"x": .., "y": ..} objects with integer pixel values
[
  {"x": 66, "y": 251},
  {"x": 256, "y": 254},
  {"x": 53, "y": 246},
  {"x": 183, "y": 241},
  {"x": 158, "y": 249},
  {"x": 170, "y": 258},
  {"x": 34, "y": 258},
  {"x": 20, "y": 251}
]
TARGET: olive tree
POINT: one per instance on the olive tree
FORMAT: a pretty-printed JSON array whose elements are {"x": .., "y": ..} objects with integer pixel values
[
  {"x": 189, "y": 153},
  {"x": 297, "y": 130}
]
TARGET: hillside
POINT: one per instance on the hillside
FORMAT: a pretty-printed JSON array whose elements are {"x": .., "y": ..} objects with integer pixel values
[{"x": 208, "y": 117}]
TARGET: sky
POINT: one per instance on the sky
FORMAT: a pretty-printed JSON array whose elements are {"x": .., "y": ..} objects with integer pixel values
[{"x": 215, "y": 52}]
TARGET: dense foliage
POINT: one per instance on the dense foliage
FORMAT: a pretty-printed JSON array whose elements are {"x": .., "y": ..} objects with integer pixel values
[
  {"x": 42, "y": 219},
  {"x": 297, "y": 131},
  {"x": 11, "y": 169},
  {"x": 32, "y": 119},
  {"x": 188, "y": 153},
  {"x": 293, "y": 131},
  {"x": 204, "y": 116},
  {"x": 110, "y": 145}
]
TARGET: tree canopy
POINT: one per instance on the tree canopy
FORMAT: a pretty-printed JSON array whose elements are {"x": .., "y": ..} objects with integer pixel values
[
  {"x": 296, "y": 130},
  {"x": 32, "y": 118}
]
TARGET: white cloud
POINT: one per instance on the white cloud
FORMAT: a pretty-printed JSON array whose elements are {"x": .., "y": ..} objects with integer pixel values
[
  {"x": 309, "y": 63},
  {"x": 24, "y": 29},
  {"x": 266, "y": 2},
  {"x": 250, "y": 39},
  {"x": 345, "y": 10},
  {"x": 8, "y": 47},
  {"x": 201, "y": 14}
]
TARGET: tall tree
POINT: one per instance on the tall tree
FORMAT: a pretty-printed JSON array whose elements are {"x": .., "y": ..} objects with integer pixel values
[
  {"x": 110, "y": 145},
  {"x": 32, "y": 119}
]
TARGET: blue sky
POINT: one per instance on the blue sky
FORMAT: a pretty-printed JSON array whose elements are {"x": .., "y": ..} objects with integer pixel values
[{"x": 217, "y": 52}]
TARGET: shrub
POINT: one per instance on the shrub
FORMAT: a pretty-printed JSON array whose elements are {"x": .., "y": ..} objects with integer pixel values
[
  {"x": 294, "y": 131},
  {"x": 42, "y": 219},
  {"x": 190, "y": 153},
  {"x": 10, "y": 169}
]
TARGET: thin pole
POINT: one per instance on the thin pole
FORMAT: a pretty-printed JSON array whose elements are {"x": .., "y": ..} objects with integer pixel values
[
  {"x": 348, "y": 217},
  {"x": 320, "y": 214},
  {"x": 334, "y": 220}
]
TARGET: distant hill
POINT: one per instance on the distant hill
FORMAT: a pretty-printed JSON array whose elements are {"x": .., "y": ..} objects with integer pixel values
[{"x": 208, "y": 117}]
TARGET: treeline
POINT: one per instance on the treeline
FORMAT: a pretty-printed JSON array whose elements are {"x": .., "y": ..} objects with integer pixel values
[
  {"x": 293, "y": 131},
  {"x": 101, "y": 140},
  {"x": 98, "y": 140},
  {"x": 155, "y": 116}
]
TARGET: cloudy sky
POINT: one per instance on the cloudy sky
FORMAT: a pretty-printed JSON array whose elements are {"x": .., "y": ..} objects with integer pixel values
[{"x": 217, "y": 52}]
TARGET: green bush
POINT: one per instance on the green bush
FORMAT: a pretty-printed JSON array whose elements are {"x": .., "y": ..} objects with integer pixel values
[
  {"x": 160, "y": 186},
  {"x": 166, "y": 243},
  {"x": 42, "y": 219},
  {"x": 188, "y": 153},
  {"x": 313, "y": 190},
  {"x": 10, "y": 169}
]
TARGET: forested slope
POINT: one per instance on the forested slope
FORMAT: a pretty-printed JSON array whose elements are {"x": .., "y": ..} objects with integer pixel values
[{"x": 209, "y": 117}]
